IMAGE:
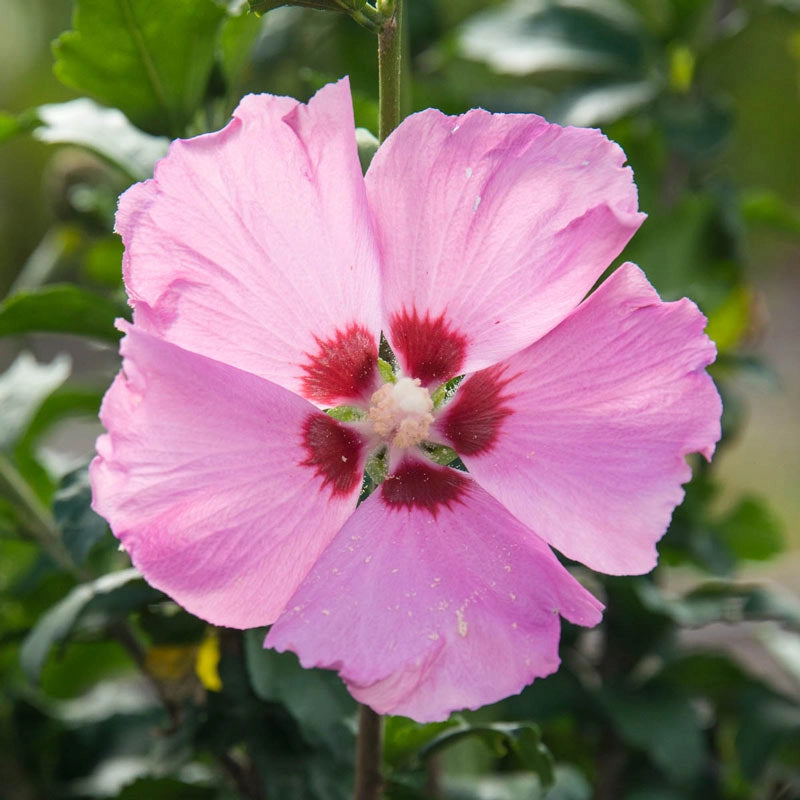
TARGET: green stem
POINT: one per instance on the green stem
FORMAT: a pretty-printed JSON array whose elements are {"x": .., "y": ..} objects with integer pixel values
[
  {"x": 390, "y": 62},
  {"x": 369, "y": 755}
]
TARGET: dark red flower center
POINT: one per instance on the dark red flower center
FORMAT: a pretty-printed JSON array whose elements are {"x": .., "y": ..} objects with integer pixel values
[{"x": 430, "y": 351}]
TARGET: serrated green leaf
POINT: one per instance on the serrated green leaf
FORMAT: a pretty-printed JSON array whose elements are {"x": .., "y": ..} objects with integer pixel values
[
  {"x": 105, "y": 131},
  {"x": 23, "y": 388},
  {"x": 107, "y": 598},
  {"x": 61, "y": 308},
  {"x": 150, "y": 59}
]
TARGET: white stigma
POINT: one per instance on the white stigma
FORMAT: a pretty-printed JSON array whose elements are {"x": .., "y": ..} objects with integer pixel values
[{"x": 400, "y": 412}]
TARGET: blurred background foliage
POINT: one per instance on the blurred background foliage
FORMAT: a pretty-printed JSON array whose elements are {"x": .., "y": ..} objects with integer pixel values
[{"x": 691, "y": 686}]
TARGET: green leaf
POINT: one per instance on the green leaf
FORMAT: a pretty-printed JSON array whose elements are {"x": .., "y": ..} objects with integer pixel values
[
  {"x": 63, "y": 402},
  {"x": 80, "y": 526},
  {"x": 237, "y": 38},
  {"x": 386, "y": 371},
  {"x": 166, "y": 789},
  {"x": 752, "y": 531},
  {"x": 316, "y": 698},
  {"x": 61, "y": 308},
  {"x": 731, "y": 320},
  {"x": 346, "y": 413},
  {"x": 404, "y": 738},
  {"x": 664, "y": 725},
  {"x": 105, "y": 131},
  {"x": 768, "y": 208},
  {"x": 495, "y": 787},
  {"x": 522, "y": 38},
  {"x": 367, "y": 147},
  {"x": 569, "y": 785},
  {"x": 150, "y": 59},
  {"x": 520, "y": 741},
  {"x": 23, "y": 388},
  {"x": 14, "y": 124},
  {"x": 784, "y": 647},
  {"x": 441, "y": 453},
  {"x": 598, "y": 104},
  {"x": 108, "y": 598},
  {"x": 722, "y": 601},
  {"x": 262, "y": 6},
  {"x": 768, "y": 722}
]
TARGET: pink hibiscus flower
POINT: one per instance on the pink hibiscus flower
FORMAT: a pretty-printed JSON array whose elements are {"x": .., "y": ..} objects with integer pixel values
[{"x": 262, "y": 269}]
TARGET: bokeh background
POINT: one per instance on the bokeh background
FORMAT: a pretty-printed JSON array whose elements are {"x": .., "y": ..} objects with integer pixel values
[{"x": 691, "y": 686}]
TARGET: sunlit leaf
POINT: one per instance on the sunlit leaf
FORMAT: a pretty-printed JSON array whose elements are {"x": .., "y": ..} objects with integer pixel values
[
  {"x": 496, "y": 787},
  {"x": 23, "y": 388},
  {"x": 105, "y": 131},
  {"x": 148, "y": 58},
  {"x": 528, "y": 36},
  {"x": 600, "y": 104}
]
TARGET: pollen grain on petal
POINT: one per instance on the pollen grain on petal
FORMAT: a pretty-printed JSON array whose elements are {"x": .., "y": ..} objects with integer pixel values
[
  {"x": 431, "y": 349},
  {"x": 419, "y": 485},
  {"x": 343, "y": 368},
  {"x": 472, "y": 421},
  {"x": 334, "y": 451}
]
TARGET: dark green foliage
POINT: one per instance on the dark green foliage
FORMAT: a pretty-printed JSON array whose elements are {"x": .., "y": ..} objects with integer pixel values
[
  {"x": 61, "y": 309},
  {"x": 689, "y": 688}
]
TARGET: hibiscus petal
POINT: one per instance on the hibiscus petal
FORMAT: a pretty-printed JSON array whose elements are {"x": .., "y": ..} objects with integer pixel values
[
  {"x": 223, "y": 488},
  {"x": 254, "y": 246},
  {"x": 583, "y": 435},
  {"x": 434, "y": 600},
  {"x": 492, "y": 228}
]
